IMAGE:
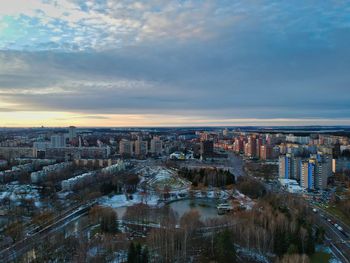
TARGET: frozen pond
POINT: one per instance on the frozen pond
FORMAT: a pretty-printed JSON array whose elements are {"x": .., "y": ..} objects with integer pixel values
[{"x": 206, "y": 207}]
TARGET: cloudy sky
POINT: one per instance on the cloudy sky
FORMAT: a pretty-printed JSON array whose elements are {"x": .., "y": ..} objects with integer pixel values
[{"x": 171, "y": 63}]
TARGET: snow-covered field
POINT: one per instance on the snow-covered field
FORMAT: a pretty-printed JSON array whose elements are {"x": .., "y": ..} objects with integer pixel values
[
  {"x": 123, "y": 200},
  {"x": 159, "y": 178},
  {"x": 15, "y": 192}
]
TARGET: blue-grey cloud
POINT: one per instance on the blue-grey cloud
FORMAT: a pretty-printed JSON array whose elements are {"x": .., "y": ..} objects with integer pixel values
[{"x": 229, "y": 59}]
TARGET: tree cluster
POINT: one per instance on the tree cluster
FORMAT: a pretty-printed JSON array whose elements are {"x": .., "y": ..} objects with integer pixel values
[
  {"x": 251, "y": 187},
  {"x": 262, "y": 170},
  {"x": 279, "y": 225},
  {"x": 105, "y": 216},
  {"x": 208, "y": 177},
  {"x": 137, "y": 253},
  {"x": 225, "y": 247}
]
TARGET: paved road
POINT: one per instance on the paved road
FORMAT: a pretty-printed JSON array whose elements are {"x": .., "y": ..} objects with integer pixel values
[
  {"x": 338, "y": 242},
  {"x": 21, "y": 247},
  {"x": 334, "y": 219}
]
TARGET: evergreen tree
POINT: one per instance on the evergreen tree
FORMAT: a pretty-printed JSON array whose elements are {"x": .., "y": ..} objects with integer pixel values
[
  {"x": 132, "y": 256},
  {"x": 310, "y": 243},
  {"x": 138, "y": 249},
  {"x": 225, "y": 249},
  {"x": 320, "y": 233},
  {"x": 230, "y": 178},
  {"x": 145, "y": 255},
  {"x": 292, "y": 249},
  {"x": 109, "y": 221},
  {"x": 281, "y": 242}
]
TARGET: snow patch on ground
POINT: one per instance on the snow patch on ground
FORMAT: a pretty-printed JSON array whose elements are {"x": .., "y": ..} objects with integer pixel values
[
  {"x": 15, "y": 192},
  {"x": 253, "y": 254},
  {"x": 322, "y": 248},
  {"x": 159, "y": 178},
  {"x": 124, "y": 200},
  {"x": 334, "y": 260}
]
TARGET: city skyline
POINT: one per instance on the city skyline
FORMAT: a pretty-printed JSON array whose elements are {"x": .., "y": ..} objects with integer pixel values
[{"x": 178, "y": 63}]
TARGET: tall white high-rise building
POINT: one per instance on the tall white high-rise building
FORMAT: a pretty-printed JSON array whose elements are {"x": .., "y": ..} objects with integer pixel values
[
  {"x": 141, "y": 147},
  {"x": 126, "y": 147},
  {"x": 156, "y": 145},
  {"x": 72, "y": 132},
  {"x": 289, "y": 167},
  {"x": 308, "y": 170},
  {"x": 322, "y": 173},
  {"x": 315, "y": 172},
  {"x": 58, "y": 141}
]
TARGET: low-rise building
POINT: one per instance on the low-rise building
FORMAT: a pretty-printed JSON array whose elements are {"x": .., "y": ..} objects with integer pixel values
[{"x": 43, "y": 175}]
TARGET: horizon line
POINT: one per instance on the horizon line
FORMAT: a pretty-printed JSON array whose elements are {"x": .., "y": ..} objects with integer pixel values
[{"x": 174, "y": 126}]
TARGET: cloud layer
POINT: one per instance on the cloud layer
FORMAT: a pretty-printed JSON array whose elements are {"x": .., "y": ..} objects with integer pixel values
[{"x": 178, "y": 60}]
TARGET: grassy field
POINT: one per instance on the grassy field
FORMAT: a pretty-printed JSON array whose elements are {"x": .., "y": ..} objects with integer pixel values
[
  {"x": 320, "y": 257},
  {"x": 339, "y": 214}
]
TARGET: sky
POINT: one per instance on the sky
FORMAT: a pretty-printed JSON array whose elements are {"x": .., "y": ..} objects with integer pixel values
[{"x": 174, "y": 63}]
